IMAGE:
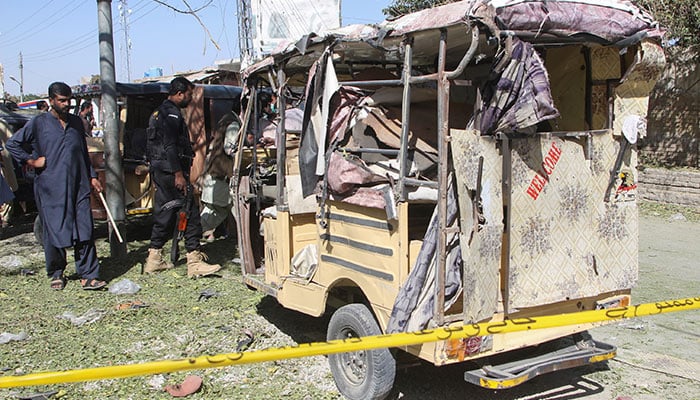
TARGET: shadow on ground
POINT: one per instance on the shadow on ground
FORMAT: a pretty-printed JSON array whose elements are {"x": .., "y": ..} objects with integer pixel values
[
  {"x": 417, "y": 379},
  {"x": 138, "y": 234}
]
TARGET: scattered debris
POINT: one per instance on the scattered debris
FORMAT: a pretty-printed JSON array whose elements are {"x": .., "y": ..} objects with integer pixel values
[
  {"x": 677, "y": 217},
  {"x": 206, "y": 294},
  {"x": 634, "y": 325},
  {"x": 7, "y": 337},
  {"x": 131, "y": 305},
  {"x": 124, "y": 286},
  {"x": 157, "y": 381},
  {"x": 191, "y": 384},
  {"x": 38, "y": 396},
  {"x": 243, "y": 344},
  {"x": 11, "y": 263},
  {"x": 26, "y": 272},
  {"x": 89, "y": 317}
]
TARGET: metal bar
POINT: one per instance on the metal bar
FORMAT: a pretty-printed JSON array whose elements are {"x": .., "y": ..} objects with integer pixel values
[
  {"x": 506, "y": 188},
  {"x": 548, "y": 135},
  {"x": 588, "y": 106},
  {"x": 388, "y": 152},
  {"x": 467, "y": 56},
  {"x": 405, "y": 117},
  {"x": 254, "y": 181},
  {"x": 424, "y": 78},
  {"x": 609, "y": 92},
  {"x": 420, "y": 183},
  {"x": 443, "y": 122},
  {"x": 271, "y": 79},
  {"x": 577, "y": 134},
  {"x": 545, "y": 38},
  {"x": 384, "y": 82},
  {"x": 281, "y": 143},
  {"x": 236, "y": 178}
]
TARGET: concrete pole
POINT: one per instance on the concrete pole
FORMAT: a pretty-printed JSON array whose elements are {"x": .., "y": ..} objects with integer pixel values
[
  {"x": 21, "y": 79},
  {"x": 114, "y": 175},
  {"x": 2, "y": 82}
]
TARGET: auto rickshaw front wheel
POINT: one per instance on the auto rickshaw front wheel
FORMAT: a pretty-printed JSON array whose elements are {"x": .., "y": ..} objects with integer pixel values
[{"x": 364, "y": 374}]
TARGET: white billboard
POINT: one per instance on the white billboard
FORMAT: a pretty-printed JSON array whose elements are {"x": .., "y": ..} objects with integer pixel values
[{"x": 277, "y": 21}]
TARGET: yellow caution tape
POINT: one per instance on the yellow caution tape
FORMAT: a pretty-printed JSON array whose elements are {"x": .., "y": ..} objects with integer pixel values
[{"x": 351, "y": 344}]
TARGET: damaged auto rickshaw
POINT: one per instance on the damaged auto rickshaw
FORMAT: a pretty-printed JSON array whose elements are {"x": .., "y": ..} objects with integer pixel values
[{"x": 472, "y": 162}]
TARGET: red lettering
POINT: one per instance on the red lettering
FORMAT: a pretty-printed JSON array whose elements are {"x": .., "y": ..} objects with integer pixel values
[
  {"x": 540, "y": 181},
  {"x": 533, "y": 192},
  {"x": 555, "y": 156},
  {"x": 555, "y": 150},
  {"x": 536, "y": 186},
  {"x": 548, "y": 165},
  {"x": 541, "y": 178}
]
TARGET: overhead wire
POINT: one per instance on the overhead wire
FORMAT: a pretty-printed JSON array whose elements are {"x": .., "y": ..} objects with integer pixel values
[
  {"x": 82, "y": 42},
  {"x": 320, "y": 17},
  {"x": 23, "y": 21},
  {"x": 295, "y": 20},
  {"x": 155, "y": 7},
  {"x": 224, "y": 32},
  {"x": 73, "y": 46},
  {"x": 65, "y": 54},
  {"x": 33, "y": 72},
  {"x": 301, "y": 18},
  {"x": 60, "y": 49},
  {"x": 41, "y": 25}
]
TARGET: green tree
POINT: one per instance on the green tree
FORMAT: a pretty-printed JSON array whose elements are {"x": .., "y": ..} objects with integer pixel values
[
  {"x": 403, "y": 7},
  {"x": 32, "y": 96},
  {"x": 680, "y": 17}
]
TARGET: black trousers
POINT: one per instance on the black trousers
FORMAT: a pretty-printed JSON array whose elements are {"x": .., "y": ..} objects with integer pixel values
[{"x": 164, "y": 218}]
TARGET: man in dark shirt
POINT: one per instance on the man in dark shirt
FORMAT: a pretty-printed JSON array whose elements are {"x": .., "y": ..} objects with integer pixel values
[
  {"x": 53, "y": 143},
  {"x": 87, "y": 117},
  {"x": 170, "y": 153}
]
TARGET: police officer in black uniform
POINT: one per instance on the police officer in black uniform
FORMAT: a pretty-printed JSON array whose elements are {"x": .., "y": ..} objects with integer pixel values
[{"x": 170, "y": 153}]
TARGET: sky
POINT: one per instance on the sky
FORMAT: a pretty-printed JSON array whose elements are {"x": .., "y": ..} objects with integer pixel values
[{"x": 58, "y": 38}]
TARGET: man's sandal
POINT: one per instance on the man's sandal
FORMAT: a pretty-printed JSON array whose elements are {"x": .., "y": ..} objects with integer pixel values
[
  {"x": 58, "y": 283},
  {"x": 92, "y": 284}
]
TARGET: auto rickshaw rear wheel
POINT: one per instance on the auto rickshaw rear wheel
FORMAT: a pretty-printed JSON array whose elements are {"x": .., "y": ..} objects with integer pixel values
[{"x": 364, "y": 374}]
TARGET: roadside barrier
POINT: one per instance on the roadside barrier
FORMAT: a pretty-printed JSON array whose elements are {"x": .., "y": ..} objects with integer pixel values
[{"x": 348, "y": 345}]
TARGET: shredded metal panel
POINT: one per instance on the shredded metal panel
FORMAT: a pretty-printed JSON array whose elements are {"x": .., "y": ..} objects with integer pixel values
[
  {"x": 566, "y": 242},
  {"x": 481, "y": 245}
]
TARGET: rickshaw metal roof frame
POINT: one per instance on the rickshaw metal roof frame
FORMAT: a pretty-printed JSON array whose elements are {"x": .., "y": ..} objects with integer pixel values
[{"x": 382, "y": 41}]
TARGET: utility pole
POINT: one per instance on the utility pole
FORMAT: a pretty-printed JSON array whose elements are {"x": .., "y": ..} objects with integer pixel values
[
  {"x": 21, "y": 78},
  {"x": 113, "y": 174},
  {"x": 245, "y": 33},
  {"x": 2, "y": 82},
  {"x": 124, "y": 20},
  {"x": 20, "y": 82}
]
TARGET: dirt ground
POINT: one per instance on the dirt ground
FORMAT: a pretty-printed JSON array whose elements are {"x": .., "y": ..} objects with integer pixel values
[{"x": 657, "y": 356}]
